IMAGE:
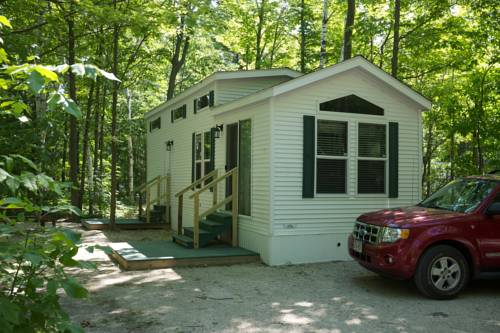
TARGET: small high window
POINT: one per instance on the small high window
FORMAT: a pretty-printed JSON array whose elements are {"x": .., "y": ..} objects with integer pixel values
[
  {"x": 155, "y": 124},
  {"x": 204, "y": 101},
  {"x": 351, "y": 104},
  {"x": 178, "y": 113}
]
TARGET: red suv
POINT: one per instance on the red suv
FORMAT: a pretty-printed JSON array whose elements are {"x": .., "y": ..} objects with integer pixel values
[{"x": 447, "y": 239}]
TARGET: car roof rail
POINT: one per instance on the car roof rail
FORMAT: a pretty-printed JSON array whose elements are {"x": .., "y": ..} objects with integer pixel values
[{"x": 494, "y": 172}]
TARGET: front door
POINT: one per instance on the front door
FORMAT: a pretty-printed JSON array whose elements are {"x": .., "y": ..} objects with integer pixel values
[
  {"x": 231, "y": 155},
  {"x": 238, "y": 154}
]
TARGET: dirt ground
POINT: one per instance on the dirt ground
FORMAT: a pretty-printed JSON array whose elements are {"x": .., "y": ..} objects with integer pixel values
[{"x": 332, "y": 297}]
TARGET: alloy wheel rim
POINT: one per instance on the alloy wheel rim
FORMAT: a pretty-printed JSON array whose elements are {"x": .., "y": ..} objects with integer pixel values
[{"x": 445, "y": 273}]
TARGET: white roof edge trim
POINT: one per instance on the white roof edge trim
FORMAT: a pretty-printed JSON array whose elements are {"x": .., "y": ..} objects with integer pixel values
[
  {"x": 250, "y": 74},
  {"x": 357, "y": 61}
]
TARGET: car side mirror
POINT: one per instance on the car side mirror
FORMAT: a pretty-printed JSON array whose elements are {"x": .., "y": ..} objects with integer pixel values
[{"x": 493, "y": 209}]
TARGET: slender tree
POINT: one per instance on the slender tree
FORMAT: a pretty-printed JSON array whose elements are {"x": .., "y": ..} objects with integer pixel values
[
  {"x": 349, "y": 25},
  {"x": 395, "y": 43},
  {"x": 324, "y": 23}
]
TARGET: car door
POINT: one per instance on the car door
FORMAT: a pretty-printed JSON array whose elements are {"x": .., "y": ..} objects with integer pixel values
[{"x": 489, "y": 239}]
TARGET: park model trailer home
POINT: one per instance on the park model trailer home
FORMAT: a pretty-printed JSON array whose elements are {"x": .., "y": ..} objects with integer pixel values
[{"x": 296, "y": 158}]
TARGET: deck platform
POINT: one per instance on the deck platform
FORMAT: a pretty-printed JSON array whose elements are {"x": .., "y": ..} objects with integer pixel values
[
  {"x": 153, "y": 254},
  {"x": 103, "y": 223}
]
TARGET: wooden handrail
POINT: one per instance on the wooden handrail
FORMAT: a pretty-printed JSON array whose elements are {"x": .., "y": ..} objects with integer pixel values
[
  {"x": 213, "y": 183},
  {"x": 196, "y": 183},
  {"x": 216, "y": 206},
  {"x": 143, "y": 186},
  {"x": 233, "y": 199},
  {"x": 147, "y": 187}
]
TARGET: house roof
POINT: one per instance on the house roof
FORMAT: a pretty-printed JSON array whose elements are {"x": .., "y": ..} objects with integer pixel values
[
  {"x": 225, "y": 75},
  {"x": 356, "y": 62}
]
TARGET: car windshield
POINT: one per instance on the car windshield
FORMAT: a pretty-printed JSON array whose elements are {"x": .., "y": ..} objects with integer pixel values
[{"x": 462, "y": 195}]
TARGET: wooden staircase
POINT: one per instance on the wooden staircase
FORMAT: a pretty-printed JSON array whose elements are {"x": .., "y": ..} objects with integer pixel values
[
  {"x": 213, "y": 227},
  {"x": 157, "y": 208},
  {"x": 212, "y": 223}
]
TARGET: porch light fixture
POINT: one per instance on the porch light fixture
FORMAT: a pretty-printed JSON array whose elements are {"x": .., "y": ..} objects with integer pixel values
[
  {"x": 169, "y": 144},
  {"x": 218, "y": 130}
]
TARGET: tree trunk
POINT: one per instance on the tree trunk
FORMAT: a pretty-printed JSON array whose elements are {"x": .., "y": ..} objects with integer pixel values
[
  {"x": 114, "y": 107},
  {"x": 259, "y": 33},
  {"x": 324, "y": 21},
  {"x": 130, "y": 149},
  {"x": 349, "y": 25},
  {"x": 85, "y": 142},
  {"x": 73, "y": 126},
  {"x": 178, "y": 58},
  {"x": 395, "y": 43},
  {"x": 92, "y": 189},
  {"x": 302, "y": 37},
  {"x": 65, "y": 151}
]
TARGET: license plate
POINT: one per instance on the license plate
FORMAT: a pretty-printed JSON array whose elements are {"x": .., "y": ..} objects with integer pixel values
[{"x": 357, "y": 246}]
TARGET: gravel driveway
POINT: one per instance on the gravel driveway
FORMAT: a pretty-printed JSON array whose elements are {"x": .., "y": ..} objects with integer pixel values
[{"x": 330, "y": 297}]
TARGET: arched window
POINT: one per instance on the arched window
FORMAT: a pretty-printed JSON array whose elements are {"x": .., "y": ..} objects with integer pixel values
[{"x": 351, "y": 104}]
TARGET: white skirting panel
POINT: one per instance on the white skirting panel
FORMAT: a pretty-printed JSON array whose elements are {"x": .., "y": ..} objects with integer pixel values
[{"x": 300, "y": 249}]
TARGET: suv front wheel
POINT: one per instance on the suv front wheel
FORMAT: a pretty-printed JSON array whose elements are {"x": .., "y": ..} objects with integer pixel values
[{"x": 442, "y": 272}]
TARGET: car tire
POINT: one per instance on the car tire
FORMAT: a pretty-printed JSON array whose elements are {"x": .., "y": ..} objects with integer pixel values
[{"x": 442, "y": 272}]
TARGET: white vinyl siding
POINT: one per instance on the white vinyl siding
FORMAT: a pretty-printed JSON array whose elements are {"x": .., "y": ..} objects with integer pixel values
[{"x": 293, "y": 215}]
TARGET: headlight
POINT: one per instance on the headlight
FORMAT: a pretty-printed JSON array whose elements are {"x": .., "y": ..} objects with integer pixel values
[{"x": 391, "y": 235}]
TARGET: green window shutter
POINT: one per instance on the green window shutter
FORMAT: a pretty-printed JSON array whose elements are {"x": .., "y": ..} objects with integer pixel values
[
  {"x": 212, "y": 149},
  {"x": 308, "y": 157},
  {"x": 172, "y": 116},
  {"x": 211, "y": 98},
  {"x": 393, "y": 160},
  {"x": 193, "y": 148},
  {"x": 195, "y": 105},
  {"x": 184, "y": 111}
]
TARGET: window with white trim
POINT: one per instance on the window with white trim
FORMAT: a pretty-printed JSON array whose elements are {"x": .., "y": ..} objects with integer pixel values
[
  {"x": 331, "y": 156},
  {"x": 372, "y": 158},
  {"x": 202, "y": 154}
]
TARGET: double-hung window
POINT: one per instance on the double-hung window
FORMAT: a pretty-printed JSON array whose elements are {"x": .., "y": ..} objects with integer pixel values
[
  {"x": 331, "y": 157},
  {"x": 202, "y": 154},
  {"x": 372, "y": 158}
]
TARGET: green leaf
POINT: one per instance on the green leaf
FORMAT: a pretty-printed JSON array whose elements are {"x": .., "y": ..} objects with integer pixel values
[
  {"x": 12, "y": 202},
  {"x": 74, "y": 289},
  {"x": 13, "y": 184},
  {"x": 67, "y": 261},
  {"x": 58, "y": 99},
  {"x": 51, "y": 287},
  {"x": 36, "y": 81},
  {"x": 4, "y": 175},
  {"x": 91, "y": 71},
  {"x": 25, "y": 160},
  {"x": 34, "y": 258},
  {"x": 5, "y": 21},
  {"x": 3, "y": 56},
  {"x": 4, "y": 84},
  {"x": 62, "y": 68},
  {"x": 10, "y": 311},
  {"x": 71, "y": 235},
  {"x": 78, "y": 69},
  {"x": 29, "y": 181},
  {"x": 47, "y": 73},
  {"x": 109, "y": 76}
]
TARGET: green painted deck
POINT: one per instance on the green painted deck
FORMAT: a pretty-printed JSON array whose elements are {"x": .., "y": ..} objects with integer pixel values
[
  {"x": 162, "y": 254},
  {"x": 122, "y": 223}
]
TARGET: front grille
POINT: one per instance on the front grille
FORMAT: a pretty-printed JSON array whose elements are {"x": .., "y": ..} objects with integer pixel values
[{"x": 366, "y": 232}]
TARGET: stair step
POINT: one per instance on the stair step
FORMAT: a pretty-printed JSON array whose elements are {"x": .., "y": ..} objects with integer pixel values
[
  {"x": 160, "y": 207},
  {"x": 205, "y": 236},
  {"x": 183, "y": 240},
  {"x": 221, "y": 216},
  {"x": 212, "y": 225}
]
